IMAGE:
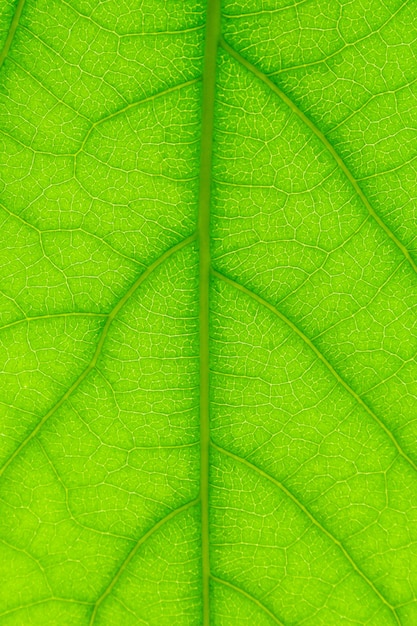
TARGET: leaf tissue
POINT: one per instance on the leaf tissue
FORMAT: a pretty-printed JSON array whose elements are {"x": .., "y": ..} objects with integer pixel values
[{"x": 208, "y": 297}]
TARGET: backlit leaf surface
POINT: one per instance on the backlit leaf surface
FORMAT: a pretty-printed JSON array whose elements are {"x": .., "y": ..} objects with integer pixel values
[{"x": 208, "y": 299}]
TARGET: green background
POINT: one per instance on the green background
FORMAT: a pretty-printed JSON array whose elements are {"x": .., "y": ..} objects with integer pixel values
[{"x": 312, "y": 333}]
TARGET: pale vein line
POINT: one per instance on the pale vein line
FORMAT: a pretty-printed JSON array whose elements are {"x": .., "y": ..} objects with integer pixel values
[
  {"x": 342, "y": 165},
  {"x": 134, "y": 551},
  {"x": 392, "y": 170},
  {"x": 293, "y": 5},
  {"x": 52, "y": 316},
  {"x": 377, "y": 293},
  {"x": 66, "y": 491},
  {"x": 156, "y": 33},
  {"x": 313, "y": 520},
  {"x": 44, "y": 601},
  {"x": 102, "y": 339},
  {"x": 132, "y": 105},
  {"x": 12, "y": 30},
  {"x": 249, "y": 597},
  {"x": 120, "y": 36},
  {"x": 67, "y": 63},
  {"x": 346, "y": 45},
  {"x": 42, "y": 85},
  {"x": 31, "y": 557},
  {"x": 206, "y": 151},
  {"x": 42, "y": 232},
  {"x": 322, "y": 358}
]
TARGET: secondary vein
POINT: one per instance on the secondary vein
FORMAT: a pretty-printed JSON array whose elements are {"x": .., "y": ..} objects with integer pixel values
[
  {"x": 314, "y": 521},
  {"x": 250, "y": 597},
  {"x": 326, "y": 143},
  {"x": 132, "y": 553},
  {"x": 322, "y": 358},
  {"x": 207, "y": 125},
  {"x": 91, "y": 366}
]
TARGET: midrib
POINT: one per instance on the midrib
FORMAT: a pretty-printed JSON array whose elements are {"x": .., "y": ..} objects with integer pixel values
[{"x": 209, "y": 85}]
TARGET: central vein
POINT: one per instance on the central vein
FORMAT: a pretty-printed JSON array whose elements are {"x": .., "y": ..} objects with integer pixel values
[{"x": 209, "y": 86}]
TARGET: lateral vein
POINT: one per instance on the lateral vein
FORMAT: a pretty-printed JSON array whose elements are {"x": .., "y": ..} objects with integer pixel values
[
  {"x": 321, "y": 357},
  {"x": 342, "y": 165},
  {"x": 132, "y": 105},
  {"x": 110, "y": 318},
  {"x": 313, "y": 520},
  {"x": 133, "y": 552},
  {"x": 250, "y": 597}
]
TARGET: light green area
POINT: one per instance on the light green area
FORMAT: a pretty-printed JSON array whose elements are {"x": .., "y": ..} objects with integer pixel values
[{"x": 208, "y": 330}]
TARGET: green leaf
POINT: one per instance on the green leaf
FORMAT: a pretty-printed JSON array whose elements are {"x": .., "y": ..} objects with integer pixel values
[{"x": 208, "y": 313}]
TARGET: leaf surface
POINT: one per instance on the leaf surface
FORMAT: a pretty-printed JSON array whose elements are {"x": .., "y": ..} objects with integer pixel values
[{"x": 208, "y": 313}]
